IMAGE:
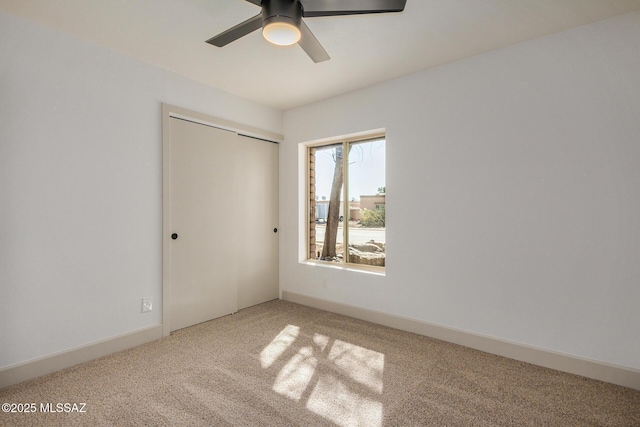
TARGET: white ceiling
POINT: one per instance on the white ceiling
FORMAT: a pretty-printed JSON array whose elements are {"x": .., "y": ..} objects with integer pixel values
[{"x": 364, "y": 49}]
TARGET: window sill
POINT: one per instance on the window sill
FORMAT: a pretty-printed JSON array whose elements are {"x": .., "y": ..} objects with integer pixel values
[{"x": 378, "y": 271}]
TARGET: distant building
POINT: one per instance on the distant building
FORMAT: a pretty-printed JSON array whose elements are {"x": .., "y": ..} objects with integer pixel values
[
  {"x": 366, "y": 202},
  {"x": 372, "y": 202}
]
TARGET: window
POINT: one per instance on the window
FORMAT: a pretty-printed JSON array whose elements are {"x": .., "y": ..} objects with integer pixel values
[{"x": 347, "y": 200}]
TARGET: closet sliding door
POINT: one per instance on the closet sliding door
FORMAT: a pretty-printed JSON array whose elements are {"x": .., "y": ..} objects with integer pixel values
[
  {"x": 257, "y": 166},
  {"x": 204, "y": 223},
  {"x": 221, "y": 236}
]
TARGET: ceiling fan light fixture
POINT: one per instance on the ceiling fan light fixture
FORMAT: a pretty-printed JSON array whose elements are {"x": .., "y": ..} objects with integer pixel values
[
  {"x": 281, "y": 33},
  {"x": 282, "y": 24}
]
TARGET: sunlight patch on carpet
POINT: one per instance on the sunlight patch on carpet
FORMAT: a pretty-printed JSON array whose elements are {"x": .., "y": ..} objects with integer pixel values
[
  {"x": 295, "y": 376},
  {"x": 321, "y": 341},
  {"x": 335, "y": 400},
  {"x": 360, "y": 364},
  {"x": 279, "y": 345},
  {"x": 337, "y": 380}
]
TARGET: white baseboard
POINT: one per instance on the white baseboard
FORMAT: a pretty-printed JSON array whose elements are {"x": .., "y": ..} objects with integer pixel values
[
  {"x": 18, "y": 373},
  {"x": 620, "y": 375}
]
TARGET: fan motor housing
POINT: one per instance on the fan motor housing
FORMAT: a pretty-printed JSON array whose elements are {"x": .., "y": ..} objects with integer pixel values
[{"x": 289, "y": 11}]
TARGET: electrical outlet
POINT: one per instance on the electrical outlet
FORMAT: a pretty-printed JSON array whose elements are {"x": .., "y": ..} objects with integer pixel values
[{"x": 147, "y": 305}]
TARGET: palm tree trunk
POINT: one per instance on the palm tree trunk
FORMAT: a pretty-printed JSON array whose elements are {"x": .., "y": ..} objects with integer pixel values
[{"x": 333, "y": 216}]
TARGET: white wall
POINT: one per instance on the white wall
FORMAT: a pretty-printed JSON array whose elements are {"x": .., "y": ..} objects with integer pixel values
[
  {"x": 81, "y": 187},
  {"x": 513, "y": 194}
]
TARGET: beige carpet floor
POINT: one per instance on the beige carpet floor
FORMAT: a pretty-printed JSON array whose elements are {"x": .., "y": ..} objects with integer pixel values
[{"x": 283, "y": 364}]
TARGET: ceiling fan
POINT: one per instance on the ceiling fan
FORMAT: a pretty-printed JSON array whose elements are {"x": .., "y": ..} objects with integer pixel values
[{"x": 282, "y": 24}]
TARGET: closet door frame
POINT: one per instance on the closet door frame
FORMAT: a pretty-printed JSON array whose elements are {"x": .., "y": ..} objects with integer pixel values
[{"x": 169, "y": 111}]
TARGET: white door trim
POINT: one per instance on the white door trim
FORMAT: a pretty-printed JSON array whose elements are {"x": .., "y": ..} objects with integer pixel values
[{"x": 169, "y": 111}]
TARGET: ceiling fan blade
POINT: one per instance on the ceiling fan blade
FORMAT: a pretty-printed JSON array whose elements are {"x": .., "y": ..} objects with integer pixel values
[
  {"x": 312, "y": 8},
  {"x": 234, "y": 33},
  {"x": 310, "y": 44}
]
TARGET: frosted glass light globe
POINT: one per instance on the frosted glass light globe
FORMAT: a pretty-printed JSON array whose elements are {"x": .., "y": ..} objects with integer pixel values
[{"x": 281, "y": 33}]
